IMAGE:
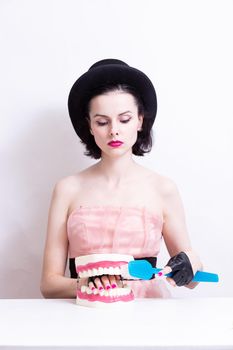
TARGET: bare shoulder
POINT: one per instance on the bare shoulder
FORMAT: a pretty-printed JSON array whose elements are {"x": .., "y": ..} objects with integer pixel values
[
  {"x": 169, "y": 195},
  {"x": 67, "y": 186},
  {"x": 168, "y": 187},
  {"x": 164, "y": 185}
]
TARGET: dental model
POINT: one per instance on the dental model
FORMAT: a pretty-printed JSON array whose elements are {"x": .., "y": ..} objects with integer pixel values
[{"x": 88, "y": 266}]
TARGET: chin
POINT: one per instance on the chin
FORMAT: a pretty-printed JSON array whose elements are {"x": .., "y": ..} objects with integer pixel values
[
  {"x": 88, "y": 266},
  {"x": 116, "y": 152}
]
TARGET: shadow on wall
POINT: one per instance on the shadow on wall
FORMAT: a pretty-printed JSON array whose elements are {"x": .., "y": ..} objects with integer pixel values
[{"x": 42, "y": 154}]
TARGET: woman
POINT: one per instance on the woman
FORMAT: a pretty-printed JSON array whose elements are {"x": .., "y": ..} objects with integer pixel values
[{"x": 115, "y": 205}]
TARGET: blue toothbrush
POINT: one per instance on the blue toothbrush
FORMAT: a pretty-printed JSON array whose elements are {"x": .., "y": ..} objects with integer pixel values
[{"x": 142, "y": 269}]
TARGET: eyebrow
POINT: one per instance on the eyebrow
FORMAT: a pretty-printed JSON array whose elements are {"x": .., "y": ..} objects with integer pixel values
[{"x": 105, "y": 116}]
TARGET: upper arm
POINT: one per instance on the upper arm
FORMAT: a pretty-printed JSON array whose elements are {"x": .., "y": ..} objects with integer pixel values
[
  {"x": 56, "y": 246},
  {"x": 174, "y": 229}
]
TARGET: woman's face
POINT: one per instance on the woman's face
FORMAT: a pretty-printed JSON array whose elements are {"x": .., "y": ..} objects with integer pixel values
[{"x": 114, "y": 117}]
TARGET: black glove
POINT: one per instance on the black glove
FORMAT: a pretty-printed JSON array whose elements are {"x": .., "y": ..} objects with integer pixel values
[{"x": 182, "y": 272}]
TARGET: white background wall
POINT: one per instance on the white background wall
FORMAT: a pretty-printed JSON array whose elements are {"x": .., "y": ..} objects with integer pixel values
[{"x": 186, "y": 49}]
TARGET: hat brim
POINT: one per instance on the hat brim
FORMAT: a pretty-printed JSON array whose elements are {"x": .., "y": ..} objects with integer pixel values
[{"x": 108, "y": 75}]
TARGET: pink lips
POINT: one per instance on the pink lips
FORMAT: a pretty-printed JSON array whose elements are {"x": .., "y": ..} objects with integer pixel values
[{"x": 115, "y": 143}]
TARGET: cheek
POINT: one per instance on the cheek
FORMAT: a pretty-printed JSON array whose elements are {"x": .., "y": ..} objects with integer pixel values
[
  {"x": 133, "y": 129},
  {"x": 100, "y": 134}
]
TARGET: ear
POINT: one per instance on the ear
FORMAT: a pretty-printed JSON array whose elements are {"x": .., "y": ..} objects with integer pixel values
[
  {"x": 140, "y": 122},
  {"x": 91, "y": 132}
]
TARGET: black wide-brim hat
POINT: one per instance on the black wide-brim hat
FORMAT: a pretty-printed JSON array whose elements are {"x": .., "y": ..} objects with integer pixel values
[{"x": 109, "y": 72}]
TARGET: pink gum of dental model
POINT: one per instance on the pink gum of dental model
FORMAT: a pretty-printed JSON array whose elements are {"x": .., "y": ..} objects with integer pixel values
[{"x": 105, "y": 299}]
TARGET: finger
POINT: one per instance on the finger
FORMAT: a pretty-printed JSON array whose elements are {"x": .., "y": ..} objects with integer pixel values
[
  {"x": 164, "y": 271},
  {"x": 105, "y": 281},
  {"x": 113, "y": 282},
  {"x": 92, "y": 286},
  {"x": 98, "y": 283},
  {"x": 171, "y": 281}
]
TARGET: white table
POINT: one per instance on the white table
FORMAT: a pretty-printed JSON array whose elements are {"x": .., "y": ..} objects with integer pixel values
[{"x": 200, "y": 323}]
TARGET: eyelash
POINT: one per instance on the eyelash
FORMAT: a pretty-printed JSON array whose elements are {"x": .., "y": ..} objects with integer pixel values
[{"x": 122, "y": 121}]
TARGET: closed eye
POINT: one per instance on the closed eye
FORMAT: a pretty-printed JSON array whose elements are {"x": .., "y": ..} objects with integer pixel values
[
  {"x": 105, "y": 123},
  {"x": 101, "y": 123},
  {"x": 125, "y": 121}
]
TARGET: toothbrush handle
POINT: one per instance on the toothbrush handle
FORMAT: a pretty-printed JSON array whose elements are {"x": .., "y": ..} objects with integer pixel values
[{"x": 200, "y": 276}]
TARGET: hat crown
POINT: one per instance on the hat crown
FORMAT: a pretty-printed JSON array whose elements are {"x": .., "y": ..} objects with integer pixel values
[{"x": 108, "y": 61}]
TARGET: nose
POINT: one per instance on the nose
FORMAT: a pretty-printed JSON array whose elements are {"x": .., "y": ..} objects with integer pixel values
[
  {"x": 114, "y": 130},
  {"x": 112, "y": 133}
]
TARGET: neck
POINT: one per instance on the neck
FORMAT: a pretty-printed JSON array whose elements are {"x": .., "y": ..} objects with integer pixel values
[{"x": 116, "y": 171}]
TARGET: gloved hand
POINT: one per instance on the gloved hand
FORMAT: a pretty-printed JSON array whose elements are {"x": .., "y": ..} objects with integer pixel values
[{"x": 182, "y": 271}]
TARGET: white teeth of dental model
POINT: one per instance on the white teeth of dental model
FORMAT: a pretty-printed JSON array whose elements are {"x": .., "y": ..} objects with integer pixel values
[
  {"x": 100, "y": 271},
  {"x": 117, "y": 271},
  {"x": 111, "y": 271},
  {"x": 83, "y": 289},
  {"x": 111, "y": 292},
  {"x": 95, "y": 271}
]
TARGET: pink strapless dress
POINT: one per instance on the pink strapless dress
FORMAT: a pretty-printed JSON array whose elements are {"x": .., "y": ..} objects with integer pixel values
[{"x": 123, "y": 230}]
